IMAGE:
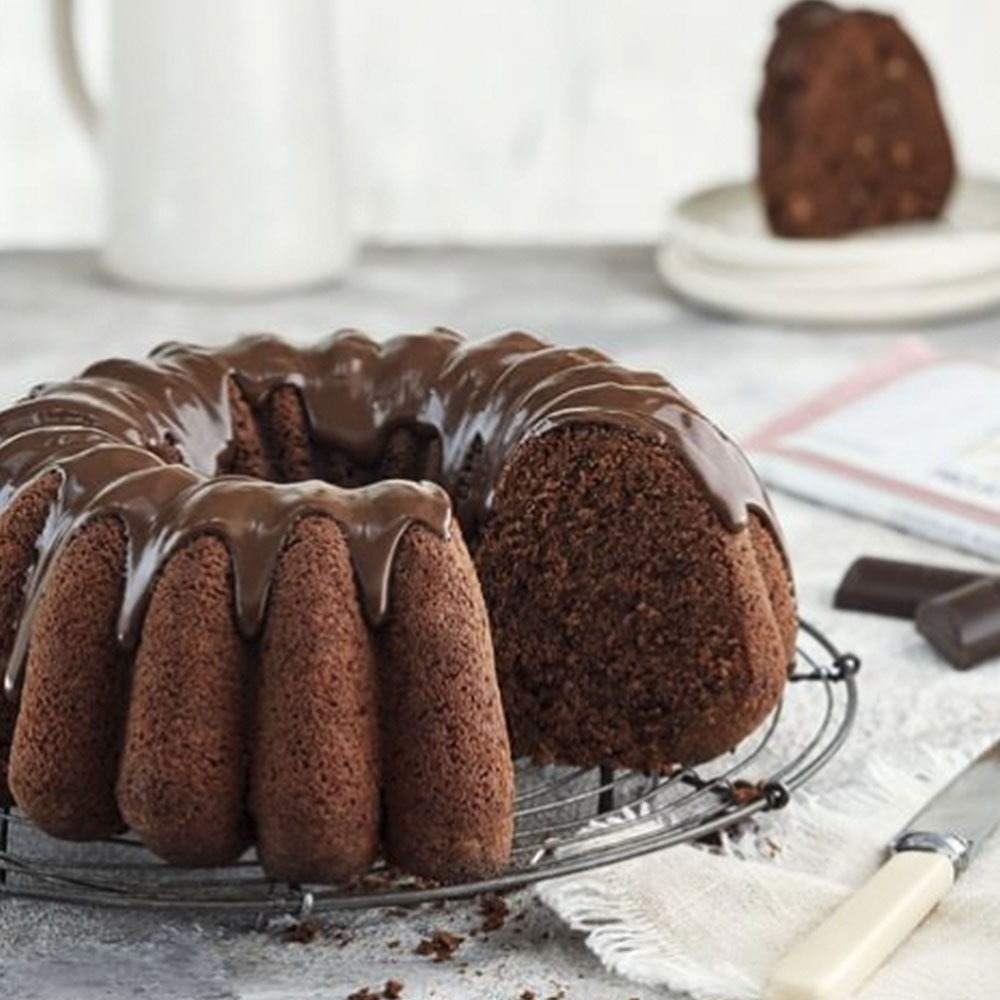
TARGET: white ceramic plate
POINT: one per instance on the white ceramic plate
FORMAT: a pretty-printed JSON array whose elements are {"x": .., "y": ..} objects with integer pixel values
[
  {"x": 726, "y": 224},
  {"x": 765, "y": 294}
]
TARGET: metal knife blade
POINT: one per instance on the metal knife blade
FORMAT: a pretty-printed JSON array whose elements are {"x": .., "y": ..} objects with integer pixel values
[{"x": 957, "y": 820}]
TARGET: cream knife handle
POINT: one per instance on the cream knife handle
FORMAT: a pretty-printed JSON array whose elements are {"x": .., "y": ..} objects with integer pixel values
[{"x": 837, "y": 957}]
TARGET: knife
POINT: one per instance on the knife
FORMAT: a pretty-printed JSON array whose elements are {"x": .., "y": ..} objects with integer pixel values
[{"x": 935, "y": 846}]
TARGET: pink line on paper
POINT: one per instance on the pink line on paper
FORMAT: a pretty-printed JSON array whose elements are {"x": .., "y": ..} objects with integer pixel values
[{"x": 910, "y": 355}]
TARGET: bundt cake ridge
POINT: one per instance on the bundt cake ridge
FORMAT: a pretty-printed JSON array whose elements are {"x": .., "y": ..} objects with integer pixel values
[{"x": 324, "y": 669}]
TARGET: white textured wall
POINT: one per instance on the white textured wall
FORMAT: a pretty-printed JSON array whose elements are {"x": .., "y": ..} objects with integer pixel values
[{"x": 487, "y": 120}]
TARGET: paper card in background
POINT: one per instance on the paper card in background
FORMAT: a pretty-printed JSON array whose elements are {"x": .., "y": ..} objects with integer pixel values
[{"x": 912, "y": 441}]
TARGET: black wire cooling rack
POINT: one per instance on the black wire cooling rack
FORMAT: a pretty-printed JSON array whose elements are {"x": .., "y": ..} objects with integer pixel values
[{"x": 568, "y": 820}]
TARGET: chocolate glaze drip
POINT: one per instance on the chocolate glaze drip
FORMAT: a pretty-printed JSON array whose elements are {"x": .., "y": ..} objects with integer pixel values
[
  {"x": 796, "y": 26},
  {"x": 807, "y": 15},
  {"x": 107, "y": 432}
]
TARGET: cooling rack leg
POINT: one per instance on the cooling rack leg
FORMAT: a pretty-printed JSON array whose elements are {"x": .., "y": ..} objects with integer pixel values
[{"x": 606, "y": 800}]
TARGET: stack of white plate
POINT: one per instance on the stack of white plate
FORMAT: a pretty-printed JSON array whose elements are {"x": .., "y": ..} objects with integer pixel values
[{"x": 721, "y": 254}]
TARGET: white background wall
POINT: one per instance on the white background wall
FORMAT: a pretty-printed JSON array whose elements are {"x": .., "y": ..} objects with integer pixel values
[{"x": 486, "y": 120}]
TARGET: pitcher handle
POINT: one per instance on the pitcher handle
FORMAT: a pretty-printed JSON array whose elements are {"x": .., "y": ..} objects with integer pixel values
[{"x": 68, "y": 64}]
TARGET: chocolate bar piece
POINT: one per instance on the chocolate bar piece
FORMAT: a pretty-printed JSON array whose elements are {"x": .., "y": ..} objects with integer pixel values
[
  {"x": 891, "y": 587},
  {"x": 963, "y": 625}
]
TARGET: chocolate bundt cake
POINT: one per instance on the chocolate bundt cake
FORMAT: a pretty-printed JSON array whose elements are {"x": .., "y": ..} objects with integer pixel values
[
  {"x": 851, "y": 134},
  {"x": 237, "y": 608}
]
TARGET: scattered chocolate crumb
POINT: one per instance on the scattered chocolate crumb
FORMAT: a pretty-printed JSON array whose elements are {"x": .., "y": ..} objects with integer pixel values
[
  {"x": 714, "y": 841},
  {"x": 303, "y": 932},
  {"x": 494, "y": 911},
  {"x": 745, "y": 792},
  {"x": 393, "y": 990},
  {"x": 394, "y": 943},
  {"x": 527, "y": 995},
  {"x": 382, "y": 878},
  {"x": 740, "y": 793},
  {"x": 363, "y": 994},
  {"x": 441, "y": 945}
]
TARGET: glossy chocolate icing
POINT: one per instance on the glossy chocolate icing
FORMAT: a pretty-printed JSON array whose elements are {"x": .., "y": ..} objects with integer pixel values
[
  {"x": 808, "y": 15},
  {"x": 111, "y": 432},
  {"x": 796, "y": 26}
]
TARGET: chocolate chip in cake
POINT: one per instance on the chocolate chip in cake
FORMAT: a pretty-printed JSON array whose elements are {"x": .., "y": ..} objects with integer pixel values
[
  {"x": 901, "y": 154},
  {"x": 864, "y": 144},
  {"x": 896, "y": 68},
  {"x": 800, "y": 208},
  {"x": 909, "y": 205}
]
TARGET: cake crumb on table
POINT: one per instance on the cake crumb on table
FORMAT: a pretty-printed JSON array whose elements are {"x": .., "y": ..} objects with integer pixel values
[
  {"x": 392, "y": 990},
  {"x": 494, "y": 910},
  {"x": 441, "y": 945},
  {"x": 303, "y": 932},
  {"x": 343, "y": 938},
  {"x": 744, "y": 792}
]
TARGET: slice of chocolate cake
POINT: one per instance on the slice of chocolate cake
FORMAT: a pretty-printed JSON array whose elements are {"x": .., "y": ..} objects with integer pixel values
[{"x": 851, "y": 133}]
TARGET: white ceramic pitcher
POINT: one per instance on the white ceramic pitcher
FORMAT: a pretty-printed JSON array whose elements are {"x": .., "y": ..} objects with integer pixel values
[{"x": 222, "y": 154}]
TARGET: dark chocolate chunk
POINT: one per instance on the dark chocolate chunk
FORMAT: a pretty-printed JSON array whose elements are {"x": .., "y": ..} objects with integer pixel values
[
  {"x": 964, "y": 625},
  {"x": 891, "y": 587}
]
